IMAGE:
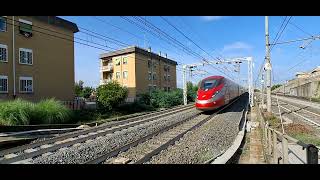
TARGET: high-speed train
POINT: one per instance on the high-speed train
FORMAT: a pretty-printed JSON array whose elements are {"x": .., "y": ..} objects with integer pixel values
[{"x": 216, "y": 91}]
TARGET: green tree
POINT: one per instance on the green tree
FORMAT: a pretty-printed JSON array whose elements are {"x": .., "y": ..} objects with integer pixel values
[
  {"x": 275, "y": 86},
  {"x": 111, "y": 95},
  {"x": 191, "y": 91},
  {"x": 78, "y": 88},
  {"x": 86, "y": 92},
  {"x": 163, "y": 99}
]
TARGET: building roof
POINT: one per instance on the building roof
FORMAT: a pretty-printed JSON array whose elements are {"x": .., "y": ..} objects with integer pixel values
[
  {"x": 56, "y": 21},
  {"x": 135, "y": 49},
  {"x": 317, "y": 69}
]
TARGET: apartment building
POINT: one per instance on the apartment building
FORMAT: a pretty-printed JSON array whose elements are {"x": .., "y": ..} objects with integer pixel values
[
  {"x": 139, "y": 70},
  {"x": 306, "y": 84},
  {"x": 36, "y": 57}
]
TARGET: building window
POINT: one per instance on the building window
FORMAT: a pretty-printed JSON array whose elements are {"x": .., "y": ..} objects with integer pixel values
[
  {"x": 125, "y": 60},
  {"x": 117, "y": 75},
  {"x": 154, "y": 87},
  {"x": 149, "y": 63},
  {"x": 26, "y": 84},
  {"x": 154, "y": 65},
  {"x": 168, "y": 68},
  {"x": 3, "y": 84},
  {"x": 165, "y": 77},
  {"x": 3, "y": 24},
  {"x": 169, "y": 89},
  {"x": 168, "y": 77},
  {"x": 125, "y": 74},
  {"x": 150, "y": 88},
  {"x": 117, "y": 61},
  {"x": 3, "y": 53},
  {"x": 149, "y": 77},
  {"x": 154, "y": 76},
  {"x": 25, "y": 56},
  {"x": 25, "y": 27}
]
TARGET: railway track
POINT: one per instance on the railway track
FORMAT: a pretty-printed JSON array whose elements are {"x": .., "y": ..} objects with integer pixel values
[
  {"x": 25, "y": 153},
  {"x": 155, "y": 142},
  {"x": 309, "y": 117}
]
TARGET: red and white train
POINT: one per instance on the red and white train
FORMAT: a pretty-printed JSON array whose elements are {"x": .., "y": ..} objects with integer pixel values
[{"x": 216, "y": 91}]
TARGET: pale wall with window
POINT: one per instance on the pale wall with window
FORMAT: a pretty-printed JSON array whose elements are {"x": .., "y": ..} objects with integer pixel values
[
  {"x": 49, "y": 61},
  {"x": 125, "y": 63}
]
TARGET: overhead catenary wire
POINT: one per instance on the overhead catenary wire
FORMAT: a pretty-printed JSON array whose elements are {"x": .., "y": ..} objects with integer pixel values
[
  {"x": 168, "y": 37},
  {"x": 132, "y": 34},
  {"x": 71, "y": 40}
]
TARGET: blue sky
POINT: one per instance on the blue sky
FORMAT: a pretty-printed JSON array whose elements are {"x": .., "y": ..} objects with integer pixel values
[{"x": 220, "y": 36}]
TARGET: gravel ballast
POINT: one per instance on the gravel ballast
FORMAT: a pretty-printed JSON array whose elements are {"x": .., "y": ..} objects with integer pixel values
[
  {"x": 207, "y": 141},
  {"x": 89, "y": 150}
]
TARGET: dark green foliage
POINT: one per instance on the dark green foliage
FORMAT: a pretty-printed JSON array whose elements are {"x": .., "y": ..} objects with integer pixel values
[
  {"x": 82, "y": 91},
  {"x": 163, "y": 99},
  {"x": 78, "y": 88},
  {"x": 86, "y": 92},
  {"x": 191, "y": 91},
  {"x": 275, "y": 86},
  {"x": 111, "y": 95}
]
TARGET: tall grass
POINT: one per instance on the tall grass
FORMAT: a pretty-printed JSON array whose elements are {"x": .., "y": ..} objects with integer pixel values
[
  {"x": 20, "y": 112},
  {"x": 17, "y": 112},
  {"x": 50, "y": 111}
]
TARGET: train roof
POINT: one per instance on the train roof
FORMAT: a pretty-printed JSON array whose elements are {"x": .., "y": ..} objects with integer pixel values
[{"x": 213, "y": 77}]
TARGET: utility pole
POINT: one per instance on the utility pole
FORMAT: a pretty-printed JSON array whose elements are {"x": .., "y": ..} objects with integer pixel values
[
  {"x": 268, "y": 65},
  {"x": 184, "y": 81},
  {"x": 262, "y": 89}
]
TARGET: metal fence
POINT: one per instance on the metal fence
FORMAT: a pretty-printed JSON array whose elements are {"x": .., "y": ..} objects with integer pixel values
[
  {"x": 283, "y": 149},
  {"x": 75, "y": 104}
]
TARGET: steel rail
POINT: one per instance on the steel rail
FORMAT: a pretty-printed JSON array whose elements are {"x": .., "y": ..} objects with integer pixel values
[
  {"x": 113, "y": 153},
  {"x": 293, "y": 111},
  {"x": 148, "y": 156},
  {"x": 94, "y": 133}
]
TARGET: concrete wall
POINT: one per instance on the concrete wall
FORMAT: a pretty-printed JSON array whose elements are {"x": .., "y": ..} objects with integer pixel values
[
  {"x": 53, "y": 62},
  {"x": 303, "y": 87}
]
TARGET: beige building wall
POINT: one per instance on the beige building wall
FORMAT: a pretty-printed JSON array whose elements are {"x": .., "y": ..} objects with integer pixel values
[
  {"x": 53, "y": 62},
  {"x": 138, "y": 81}
]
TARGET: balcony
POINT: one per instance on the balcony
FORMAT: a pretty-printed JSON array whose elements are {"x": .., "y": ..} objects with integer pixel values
[
  {"x": 105, "y": 81},
  {"x": 108, "y": 67}
]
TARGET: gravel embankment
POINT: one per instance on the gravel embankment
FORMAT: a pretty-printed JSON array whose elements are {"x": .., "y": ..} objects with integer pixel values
[
  {"x": 91, "y": 149},
  {"x": 205, "y": 142},
  {"x": 137, "y": 152}
]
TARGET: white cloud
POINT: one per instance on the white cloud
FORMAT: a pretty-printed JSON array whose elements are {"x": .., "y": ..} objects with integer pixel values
[
  {"x": 237, "y": 46},
  {"x": 212, "y": 18}
]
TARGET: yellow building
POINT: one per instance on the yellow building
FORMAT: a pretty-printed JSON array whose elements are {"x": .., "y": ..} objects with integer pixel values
[
  {"x": 139, "y": 70},
  {"x": 34, "y": 62}
]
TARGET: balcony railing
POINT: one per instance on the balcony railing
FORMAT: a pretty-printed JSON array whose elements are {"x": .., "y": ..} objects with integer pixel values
[
  {"x": 105, "y": 81},
  {"x": 108, "y": 67}
]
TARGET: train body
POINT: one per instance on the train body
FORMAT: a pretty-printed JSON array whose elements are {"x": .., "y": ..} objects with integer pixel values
[{"x": 216, "y": 91}]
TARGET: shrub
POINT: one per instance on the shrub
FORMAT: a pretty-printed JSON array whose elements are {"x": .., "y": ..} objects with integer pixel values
[
  {"x": 111, "y": 95},
  {"x": 191, "y": 92},
  {"x": 15, "y": 112},
  {"x": 163, "y": 99},
  {"x": 144, "y": 98},
  {"x": 50, "y": 111},
  {"x": 20, "y": 112}
]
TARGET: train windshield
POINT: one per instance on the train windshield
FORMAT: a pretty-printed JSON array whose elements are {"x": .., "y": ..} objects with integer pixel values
[{"x": 209, "y": 84}]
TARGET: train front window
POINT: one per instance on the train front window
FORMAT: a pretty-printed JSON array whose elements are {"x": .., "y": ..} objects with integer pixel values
[{"x": 209, "y": 84}]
